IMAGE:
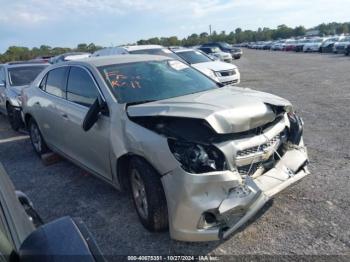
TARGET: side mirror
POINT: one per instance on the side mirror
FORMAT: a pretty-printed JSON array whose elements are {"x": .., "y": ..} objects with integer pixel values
[{"x": 92, "y": 115}]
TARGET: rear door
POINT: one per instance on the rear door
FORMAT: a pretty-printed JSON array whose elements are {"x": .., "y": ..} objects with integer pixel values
[
  {"x": 90, "y": 148},
  {"x": 50, "y": 120}
]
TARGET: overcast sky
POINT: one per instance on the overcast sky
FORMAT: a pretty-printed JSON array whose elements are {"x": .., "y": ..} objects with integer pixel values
[{"x": 113, "y": 22}]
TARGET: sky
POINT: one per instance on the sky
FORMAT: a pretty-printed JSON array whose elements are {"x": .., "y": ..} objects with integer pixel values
[{"x": 66, "y": 23}]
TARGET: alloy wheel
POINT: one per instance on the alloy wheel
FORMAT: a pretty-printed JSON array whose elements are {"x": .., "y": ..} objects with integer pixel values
[{"x": 139, "y": 193}]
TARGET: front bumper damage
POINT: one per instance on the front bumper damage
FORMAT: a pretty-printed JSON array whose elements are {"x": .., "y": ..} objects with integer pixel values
[{"x": 229, "y": 198}]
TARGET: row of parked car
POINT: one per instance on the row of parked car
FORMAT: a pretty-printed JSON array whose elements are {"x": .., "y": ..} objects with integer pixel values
[
  {"x": 333, "y": 44},
  {"x": 198, "y": 157},
  {"x": 208, "y": 59}
]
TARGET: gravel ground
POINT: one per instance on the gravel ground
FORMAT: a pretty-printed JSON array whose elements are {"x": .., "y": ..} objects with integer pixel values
[{"x": 310, "y": 218}]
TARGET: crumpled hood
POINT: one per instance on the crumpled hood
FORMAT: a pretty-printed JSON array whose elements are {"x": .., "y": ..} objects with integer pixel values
[
  {"x": 227, "y": 110},
  {"x": 215, "y": 66}
]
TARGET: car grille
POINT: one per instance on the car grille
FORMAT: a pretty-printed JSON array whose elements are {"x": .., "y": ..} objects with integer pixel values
[
  {"x": 230, "y": 82},
  {"x": 227, "y": 73},
  {"x": 259, "y": 149}
]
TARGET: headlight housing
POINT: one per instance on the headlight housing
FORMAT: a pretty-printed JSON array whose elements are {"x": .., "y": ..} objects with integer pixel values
[
  {"x": 197, "y": 158},
  {"x": 210, "y": 73}
]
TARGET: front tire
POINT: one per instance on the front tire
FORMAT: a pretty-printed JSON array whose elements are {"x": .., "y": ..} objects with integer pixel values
[
  {"x": 148, "y": 195},
  {"x": 14, "y": 118},
  {"x": 37, "y": 139}
]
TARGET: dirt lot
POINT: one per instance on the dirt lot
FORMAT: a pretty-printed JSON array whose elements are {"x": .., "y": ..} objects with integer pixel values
[{"x": 313, "y": 217}]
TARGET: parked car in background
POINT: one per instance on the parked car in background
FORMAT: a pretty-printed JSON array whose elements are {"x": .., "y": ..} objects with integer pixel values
[
  {"x": 339, "y": 47},
  {"x": 267, "y": 45},
  {"x": 150, "y": 50},
  {"x": 110, "y": 51},
  {"x": 328, "y": 45},
  {"x": 313, "y": 45},
  {"x": 225, "y": 47},
  {"x": 68, "y": 57},
  {"x": 198, "y": 157},
  {"x": 290, "y": 45},
  {"x": 15, "y": 76},
  {"x": 215, "y": 52},
  {"x": 278, "y": 45},
  {"x": 24, "y": 237},
  {"x": 43, "y": 59},
  {"x": 225, "y": 73},
  {"x": 299, "y": 46}
]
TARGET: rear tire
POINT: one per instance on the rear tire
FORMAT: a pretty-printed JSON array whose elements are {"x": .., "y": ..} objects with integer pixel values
[
  {"x": 148, "y": 195},
  {"x": 37, "y": 139},
  {"x": 14, "y": 118}
]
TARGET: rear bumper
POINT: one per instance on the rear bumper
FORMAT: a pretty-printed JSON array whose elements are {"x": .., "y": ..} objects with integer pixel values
[{"x": 230, "y": 198}]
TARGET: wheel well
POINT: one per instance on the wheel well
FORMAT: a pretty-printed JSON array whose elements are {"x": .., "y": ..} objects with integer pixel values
[
  {"x": 27, "y": 118},
  {"x": 123, "y": 167}
]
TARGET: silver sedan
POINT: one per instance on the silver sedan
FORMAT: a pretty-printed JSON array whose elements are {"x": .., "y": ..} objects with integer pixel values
[{"x": 197, "y": 157}]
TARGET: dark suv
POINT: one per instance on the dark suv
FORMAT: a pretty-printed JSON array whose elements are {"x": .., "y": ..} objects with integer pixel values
[{"x": 225, "y": 47}]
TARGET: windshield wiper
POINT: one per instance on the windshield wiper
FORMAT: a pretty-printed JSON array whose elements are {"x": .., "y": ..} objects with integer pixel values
[{"x": 140, "y": 102}]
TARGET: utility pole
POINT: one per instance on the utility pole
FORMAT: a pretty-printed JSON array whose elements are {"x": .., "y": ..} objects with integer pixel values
[{"x": 209, "y": 29}]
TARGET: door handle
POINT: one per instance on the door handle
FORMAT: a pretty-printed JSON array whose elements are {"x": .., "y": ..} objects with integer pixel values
[
  {"x": 37, "y": 104},
  {"x": 64, "y": 115}
]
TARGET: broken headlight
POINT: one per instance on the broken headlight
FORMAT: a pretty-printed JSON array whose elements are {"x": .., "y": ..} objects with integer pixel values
[{"x": 196, "y": 158}]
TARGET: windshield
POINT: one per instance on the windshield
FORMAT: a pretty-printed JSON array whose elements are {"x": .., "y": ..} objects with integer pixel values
[
  {"x": 156, "y": 51},
  {"x": 153, "y": 80},
  {"x": 225, "y": 45},
  {"x": 193, "y": 57},
  {"x": 215, "y": 49},
  {"x": 20, "y": 76}
]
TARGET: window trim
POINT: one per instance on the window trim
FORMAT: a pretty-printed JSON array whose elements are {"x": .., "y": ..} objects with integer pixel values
[
  {"x": 65, "y": 97},
  {"x": 46, "y": 75}
]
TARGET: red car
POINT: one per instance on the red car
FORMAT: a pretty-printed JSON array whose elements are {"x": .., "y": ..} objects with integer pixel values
[{"x": 290, "y": 45}]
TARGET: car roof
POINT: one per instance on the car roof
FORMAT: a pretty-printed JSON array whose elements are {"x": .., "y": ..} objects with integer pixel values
[
  {"x": 142, "y": 47},
  {"x": 117, "y": 59}
]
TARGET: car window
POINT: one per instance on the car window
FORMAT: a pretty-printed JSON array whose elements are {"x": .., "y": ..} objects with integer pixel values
[
  {"x": 81, "y": 88},
  {"x": 24, "y": 75},
  {"x": 56, "y": 82},
  {"x": 194, "y": 57},
  {"x": 154, "y": 80}
]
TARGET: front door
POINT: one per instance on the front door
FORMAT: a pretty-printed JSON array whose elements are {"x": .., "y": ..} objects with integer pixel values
[{"x": 90, "y": 148}]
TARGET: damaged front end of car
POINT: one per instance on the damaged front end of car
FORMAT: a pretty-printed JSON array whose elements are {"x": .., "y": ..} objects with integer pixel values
[{"x": 229, "y": 165}]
